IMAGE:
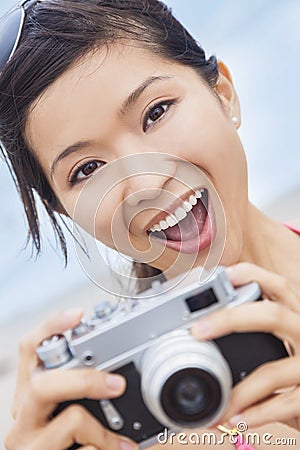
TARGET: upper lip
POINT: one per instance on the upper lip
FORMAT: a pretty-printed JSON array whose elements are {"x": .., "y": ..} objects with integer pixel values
[{"x": 171, "y": 209}]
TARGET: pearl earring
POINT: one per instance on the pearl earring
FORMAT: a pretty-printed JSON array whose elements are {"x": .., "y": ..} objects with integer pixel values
[{"x": 235, "y": 120}]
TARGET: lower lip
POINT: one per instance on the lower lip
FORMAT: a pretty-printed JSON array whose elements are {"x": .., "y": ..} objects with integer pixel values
[{"x": 198, "y": 244}]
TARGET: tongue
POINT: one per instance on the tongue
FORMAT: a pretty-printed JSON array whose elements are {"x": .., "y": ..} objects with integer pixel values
[{"x": 189, "y": 228}]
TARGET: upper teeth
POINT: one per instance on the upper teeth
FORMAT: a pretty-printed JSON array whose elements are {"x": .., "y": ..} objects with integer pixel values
[{"x": 179, "y": 214}]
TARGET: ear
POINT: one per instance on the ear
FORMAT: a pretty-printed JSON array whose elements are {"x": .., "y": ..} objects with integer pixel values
[{"x": 227, "y": 94}]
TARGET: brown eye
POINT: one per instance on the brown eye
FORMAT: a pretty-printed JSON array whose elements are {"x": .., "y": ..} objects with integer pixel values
[
  {"x": 85, "y": 170},
  {"x": 89, "y": 168},
  {"x": 156, "y": 113}
]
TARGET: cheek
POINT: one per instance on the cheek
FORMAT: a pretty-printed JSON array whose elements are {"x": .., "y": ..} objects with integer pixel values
[
  {"x": 200, "y": 132},
  {"x": 93, "y": 212},
  {"x": 209, "y": 140},
  {"x": 103, "y": 219},
  {"x": 217, "y": 146}
]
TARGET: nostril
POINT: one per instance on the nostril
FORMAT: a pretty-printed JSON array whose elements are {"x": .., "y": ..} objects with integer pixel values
[{"x": 134, "y": 198}]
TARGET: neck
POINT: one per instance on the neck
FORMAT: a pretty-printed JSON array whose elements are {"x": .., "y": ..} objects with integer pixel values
[{"x": 271, "y": 245}]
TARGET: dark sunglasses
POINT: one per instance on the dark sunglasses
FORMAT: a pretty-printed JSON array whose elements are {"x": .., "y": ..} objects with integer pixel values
[{"x": 11, "y": 26}]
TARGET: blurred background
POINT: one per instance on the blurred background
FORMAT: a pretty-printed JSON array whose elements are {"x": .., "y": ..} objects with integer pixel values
[{"x": 259, "y": 40}]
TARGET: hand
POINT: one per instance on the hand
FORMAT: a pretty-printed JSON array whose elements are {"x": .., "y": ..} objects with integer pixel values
[
  {"x": 38, "y": 393},
  {"x": 254, "y": 400}
]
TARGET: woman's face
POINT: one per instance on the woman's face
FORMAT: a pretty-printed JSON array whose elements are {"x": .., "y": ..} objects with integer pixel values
[{"x": 124, "y": 137}]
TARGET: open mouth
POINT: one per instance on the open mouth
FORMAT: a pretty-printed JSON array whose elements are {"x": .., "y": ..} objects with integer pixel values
[{"x": 189, "y": 228}]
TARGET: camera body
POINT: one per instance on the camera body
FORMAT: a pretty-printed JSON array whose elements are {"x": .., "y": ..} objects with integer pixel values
[{"x": 173, "y": 380}]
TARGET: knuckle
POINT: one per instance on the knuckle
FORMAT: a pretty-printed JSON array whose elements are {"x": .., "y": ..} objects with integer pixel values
[
  {"x": 282, "y": 285},
  {"x": 293, "y": 400},
  {"x": 275, "y": 313},
  {"x": 74, "y": 416},
  {"x": 88, "y": 381}
]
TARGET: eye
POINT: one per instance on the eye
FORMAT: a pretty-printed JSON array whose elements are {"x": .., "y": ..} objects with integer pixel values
[
  {"x": 84, "y": 171},
  {"x": 156, "y": 113}
]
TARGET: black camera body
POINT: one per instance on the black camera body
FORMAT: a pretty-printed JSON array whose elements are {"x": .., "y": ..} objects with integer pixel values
[{"x": 173, "y": 380}]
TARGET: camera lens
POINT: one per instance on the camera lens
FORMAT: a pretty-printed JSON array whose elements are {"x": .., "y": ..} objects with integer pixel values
[
  {"x": 190, "y": 395},
  {"x": 185, "y": 382}
]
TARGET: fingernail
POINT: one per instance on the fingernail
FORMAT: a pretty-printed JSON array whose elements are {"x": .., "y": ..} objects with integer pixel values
[
  {"x": 127, "y": 445},
  {"x": 202, "y": 329},
  {"x": 234, "y": 421},
  {"x": 115, "y": 382},
  {"x": 71, "y": 314},
  {"x": 230, "y": 270}
]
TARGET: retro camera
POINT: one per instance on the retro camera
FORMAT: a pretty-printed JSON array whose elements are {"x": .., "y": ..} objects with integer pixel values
[{"x": 173, "y": 380}]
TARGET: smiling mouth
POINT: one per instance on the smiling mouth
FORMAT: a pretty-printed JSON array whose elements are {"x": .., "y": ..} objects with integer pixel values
[{"x": 189, "y": 229}]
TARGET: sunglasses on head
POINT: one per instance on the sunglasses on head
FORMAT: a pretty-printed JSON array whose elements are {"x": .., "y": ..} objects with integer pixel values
[{"x": 11, "y": 26}]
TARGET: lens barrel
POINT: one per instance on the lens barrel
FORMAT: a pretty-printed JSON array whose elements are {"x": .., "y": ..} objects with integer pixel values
[{"x": 185, "y": 383}]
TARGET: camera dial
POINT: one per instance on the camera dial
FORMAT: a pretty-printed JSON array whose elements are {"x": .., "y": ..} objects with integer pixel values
[{"x": 54, "y": 352}]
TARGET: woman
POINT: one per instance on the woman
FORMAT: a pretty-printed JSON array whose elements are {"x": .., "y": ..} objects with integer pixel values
[{"x": 94, "y": 94}]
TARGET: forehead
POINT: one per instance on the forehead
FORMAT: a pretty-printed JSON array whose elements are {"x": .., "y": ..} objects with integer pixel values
[
  {"x": 99, "y": 80},
  {"x": 84, "y": 102}
]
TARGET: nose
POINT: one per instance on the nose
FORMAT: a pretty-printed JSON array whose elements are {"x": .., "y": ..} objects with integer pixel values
[
  {"x": 147, "y": 176},
  {"x": 144, "y": 187}
]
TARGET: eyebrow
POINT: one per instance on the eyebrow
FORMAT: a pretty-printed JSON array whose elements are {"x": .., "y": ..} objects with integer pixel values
[
  {"x": 132, "y": 98},
  {"x": 68, "y": 151},
  {"x": 138, "y": 92}
]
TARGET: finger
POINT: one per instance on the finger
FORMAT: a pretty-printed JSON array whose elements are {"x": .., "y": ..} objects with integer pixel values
[
  {"x": 55, "y": 324},
  {"x": 16, "y": 440},
  {"x": 28, "y": 360},
  {"x": 262, "y": 383},
  {"x": 280, "y": 408},
  {"x": 49, "y": 388},
  {"x": 273, "y": 286},
  {"x": 89, "y": 447},
  {"x": 76, "y": 425},
  {"x": 265, "y": 316}
]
